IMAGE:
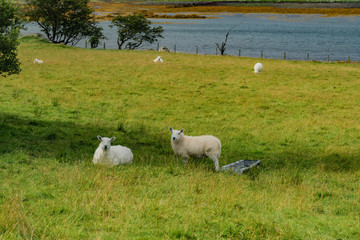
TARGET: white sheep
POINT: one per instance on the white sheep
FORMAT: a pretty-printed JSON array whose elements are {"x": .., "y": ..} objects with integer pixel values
[
  {"x": 197, "y": 147},
  {"x": 258, "y": 68},
  {"x": 158, "y": 59},
  {"x": 106, "y": 154},
  {"x": 38, "y": 61},
  {"x": 164, "y": 49}
]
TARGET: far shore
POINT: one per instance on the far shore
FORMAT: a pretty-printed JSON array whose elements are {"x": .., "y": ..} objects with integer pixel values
[{"x": 106, "y": 10}]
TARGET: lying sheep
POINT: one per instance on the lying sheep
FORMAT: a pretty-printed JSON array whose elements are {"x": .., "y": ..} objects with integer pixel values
[
  {"x": 111, "y": 155},
  {"x": 38, "y": 61},
  {"x": 158, "y": 59},
  {"x": 197, "y": 147},
  {"x": 258, "y": 68},
  {"x": 164, "y": 49}
]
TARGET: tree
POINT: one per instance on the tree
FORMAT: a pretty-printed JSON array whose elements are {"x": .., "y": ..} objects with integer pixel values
[
  {"x": 133, "y": 30},
  {"x": 10, "y": 25},
  {"x": 222, "y": 47},
  {"x": 95, "y": 36},
  {"x": 62, "y": 21}
]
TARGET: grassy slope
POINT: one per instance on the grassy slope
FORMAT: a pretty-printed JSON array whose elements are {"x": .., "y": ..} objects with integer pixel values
[{"x": 299, "y": 118}]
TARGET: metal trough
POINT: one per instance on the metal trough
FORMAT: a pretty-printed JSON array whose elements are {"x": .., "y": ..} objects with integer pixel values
[{"x": 241, "y": 166}]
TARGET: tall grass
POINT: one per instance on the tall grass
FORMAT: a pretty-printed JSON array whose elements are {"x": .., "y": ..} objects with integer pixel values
[{"x": 299, "y": 118}]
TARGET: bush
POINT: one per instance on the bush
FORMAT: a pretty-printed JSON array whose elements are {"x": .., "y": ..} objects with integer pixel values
[{"x": 10, "y": 25}]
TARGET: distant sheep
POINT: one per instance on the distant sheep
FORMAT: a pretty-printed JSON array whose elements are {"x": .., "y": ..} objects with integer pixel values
[
  {"x": 197, "y": 147},
  {"x": 164, "y": 49},
  {"x": 106, "y": 154},
  {"x": 258, "y": 68},
  {"x": 158, "y": 59},
  {"x": 38, "y": 61}
]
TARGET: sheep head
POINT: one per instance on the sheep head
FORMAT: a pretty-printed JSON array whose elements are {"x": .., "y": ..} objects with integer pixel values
[
  {"x": 175, "y": 134},
  {"x": 105, "y": 143}
]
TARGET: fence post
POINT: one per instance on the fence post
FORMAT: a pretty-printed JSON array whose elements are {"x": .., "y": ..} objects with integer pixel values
[
  {"x": 239, "y": 52},
  {"x": 104, "y": 46},
  {"x": 308, "y": 56},
  {"x": 85, "y": 44},
  {"x": 328, "y": 58},
  {"x": 262, "y": 54},
  {"x": 157, "y": 47},
  {"x": 284, "y": 55},
  {"x": 348, "y": 58},
  {"x": 197, "y": 50},
  {"x": 175, "y": 48}
]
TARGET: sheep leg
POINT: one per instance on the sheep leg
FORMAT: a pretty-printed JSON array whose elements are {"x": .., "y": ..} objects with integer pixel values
[{"x": 216, "y": 162}]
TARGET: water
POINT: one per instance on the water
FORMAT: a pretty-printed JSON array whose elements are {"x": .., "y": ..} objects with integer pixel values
[{"x": 274, "y": 34}]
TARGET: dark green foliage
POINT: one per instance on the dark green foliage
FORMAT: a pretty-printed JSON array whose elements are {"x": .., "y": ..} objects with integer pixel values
[
  {"x": 95, "y": 36},
  {"x": 63, "y": 21},
  {"x": 134, "y": 30},
  {"x": 10, "y": 24}
]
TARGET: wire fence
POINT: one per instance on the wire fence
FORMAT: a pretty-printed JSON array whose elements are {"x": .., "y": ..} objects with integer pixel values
[{"x": 306, "y": 56}]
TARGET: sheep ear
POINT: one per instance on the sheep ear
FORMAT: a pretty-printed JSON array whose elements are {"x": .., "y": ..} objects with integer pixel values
[
  {"x": 182, "y": 130},
  {"x": 112, "y": 139},
  {"x": 99, "y": 137},
  {"x": 170, "y": 128}
]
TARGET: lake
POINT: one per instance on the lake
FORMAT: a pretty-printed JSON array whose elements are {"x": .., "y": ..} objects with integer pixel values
[{"x": 274, "y": 34}]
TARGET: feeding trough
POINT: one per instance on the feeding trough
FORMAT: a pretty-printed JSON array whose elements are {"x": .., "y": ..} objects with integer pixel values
[{"x": 241, "y": 166}]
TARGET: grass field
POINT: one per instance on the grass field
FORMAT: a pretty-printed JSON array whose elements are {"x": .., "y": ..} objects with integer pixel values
[
  {"x": 300, "y": 118},
  {"x": 194, "y": 1}
]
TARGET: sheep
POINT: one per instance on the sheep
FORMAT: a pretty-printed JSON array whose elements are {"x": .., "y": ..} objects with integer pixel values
[
  {"x": 158, "y": 59},
  {"x": 164, "y": 49},
  {"x": 198, "y": 147},
  {"x": 106, "y": 154},
  {"x": 258, "y": 68},
  {"x": 38, "y": 61}
]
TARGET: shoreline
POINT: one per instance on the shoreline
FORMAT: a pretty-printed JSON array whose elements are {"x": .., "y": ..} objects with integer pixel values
[
  {"x": 291, "y": 4},
  {"x": 106, "y": 10}
]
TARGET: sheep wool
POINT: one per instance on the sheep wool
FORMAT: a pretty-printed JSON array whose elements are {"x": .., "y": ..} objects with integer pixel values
[
  {"x": 158, "y": 60},
  {"x": 197, "y": 147},
  {"x": 106, "y": 154},
  {"x": 38, "y": 61},
  {"x": 258, "y": 68}
]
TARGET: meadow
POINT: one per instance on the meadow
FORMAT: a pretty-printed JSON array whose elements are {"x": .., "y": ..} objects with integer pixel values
[{"x": 301, "y": 119}]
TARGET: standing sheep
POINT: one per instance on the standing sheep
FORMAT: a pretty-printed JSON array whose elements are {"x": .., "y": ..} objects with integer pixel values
[
  {"x": 197, "y": 147},
  {"x": 258, "y": 68},
  {"x": 111, "y": 155}
]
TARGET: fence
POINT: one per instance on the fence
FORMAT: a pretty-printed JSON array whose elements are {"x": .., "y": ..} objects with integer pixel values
[{"x": 196, "y": 51}]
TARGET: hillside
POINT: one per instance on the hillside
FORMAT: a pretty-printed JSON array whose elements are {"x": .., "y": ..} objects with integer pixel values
[{"x": 299, "y": 118}]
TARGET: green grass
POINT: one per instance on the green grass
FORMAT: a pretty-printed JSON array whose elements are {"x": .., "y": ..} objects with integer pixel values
[
  {"x": 194, "y": 1},
  {"x": 299, "y": 118}
]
